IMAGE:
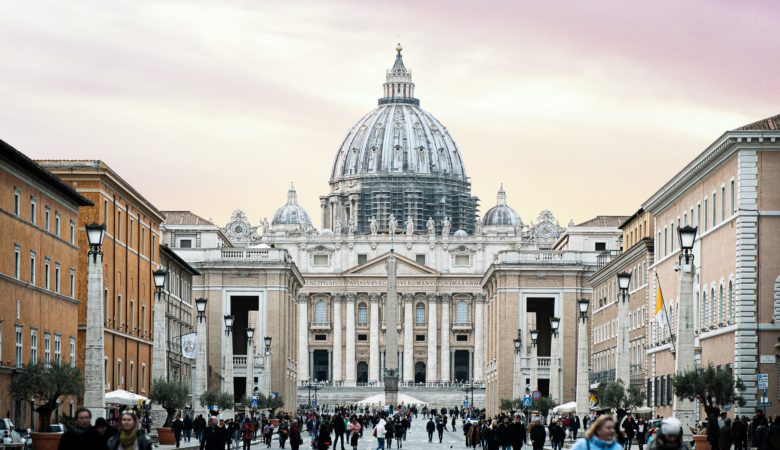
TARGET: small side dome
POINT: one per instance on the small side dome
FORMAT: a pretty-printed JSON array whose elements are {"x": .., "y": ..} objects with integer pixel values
[
  {"x": 460, "y": 233},
  {"x": 291, "y": 215},
  {"x": 501, "y": 215}
]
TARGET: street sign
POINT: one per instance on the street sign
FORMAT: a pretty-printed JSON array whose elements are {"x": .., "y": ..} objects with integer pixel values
[
  {"x": 466, "y": 404},
  {"x": 526, "y": 401},
  {"x": 726, "y": 407},
  {"x": 314, "y": 404},
  {"x": 254, "y": 403},
  {"x": 536, "y": 395},
  {"x": 763, "y": 381}
]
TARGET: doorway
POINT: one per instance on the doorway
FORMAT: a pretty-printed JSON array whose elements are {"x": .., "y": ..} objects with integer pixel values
[
  {"x": 321, "y": 365},
  {"x": 462, "y": 358},
  {"x": 419, "y": 372},
  {"x": 362, "y": 372}
]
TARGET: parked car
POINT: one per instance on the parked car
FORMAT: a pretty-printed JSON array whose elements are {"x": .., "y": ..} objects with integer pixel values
[
  {"x": 8, "y": 432},
  {"x": 25, "y": 437},
  {"x": 56, "y": 428}
]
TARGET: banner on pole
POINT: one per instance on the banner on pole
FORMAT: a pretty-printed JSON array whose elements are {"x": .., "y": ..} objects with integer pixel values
[{"x": 188, "y": 346}]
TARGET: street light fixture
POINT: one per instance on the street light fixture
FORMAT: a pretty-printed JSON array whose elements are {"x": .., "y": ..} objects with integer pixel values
[
  {"x": 95, "y": 234},
  {"x": 687, "y": 235},
  {"x": 624, "y": 281},
  {"x": 268, "y": 344},
  {"x": 200, "y": 303},
  {"x": 159, "y": 278},
  {"x": 583, "y": 304},
  {"x": 250, "y": 333},
  {"x": 555, "y": 322},
  {"x": 229, "y": 324},
  {"x": 518, "y": 344},
  {"x": 534, "y": 337}
]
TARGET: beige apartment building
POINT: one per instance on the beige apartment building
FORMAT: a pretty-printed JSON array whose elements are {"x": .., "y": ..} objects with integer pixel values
[
  {"x": 731, "y": 192},
  {"x": 608, "y": 360}
]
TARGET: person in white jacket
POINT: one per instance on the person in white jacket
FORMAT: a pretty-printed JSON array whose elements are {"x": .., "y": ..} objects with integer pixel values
[{"x": 379, "y": 434}]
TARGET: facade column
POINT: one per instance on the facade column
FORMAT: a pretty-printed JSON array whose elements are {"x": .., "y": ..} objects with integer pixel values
[
  {"x": 350, "y": 378},
  {"x": 445, "y": 337},
  {"x": 583, "y": 396},
  {"x": 94, "y": 366},
  {"x": 201, "y": 373},
  {"x": 623, "y": 357},
  {"x": 534, "y": 367},
  {"x": 408, "y": 375},
  {"x": 227, "y": 354},
  {"x": 303, "y": 337},
  {"x": 684, "y": 409},
  {"x": 373, "y": 339},
  {"x": 431, "y": 370},
  {"x": 555, "y": 376},
  {"x": 337, "y": 341},
  {"x": 250, "y": 367},
  {"x": 159, "y": 362},
  {"x": 479, "y": 337}
]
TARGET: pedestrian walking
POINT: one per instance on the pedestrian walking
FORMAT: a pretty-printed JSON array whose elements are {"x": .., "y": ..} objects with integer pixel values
[
  {"x": 600, "y": 435},
  {"x": 177, "y": 427},
  {"x": 130, "y": 436},
  {"x": 430, "y": 427}
]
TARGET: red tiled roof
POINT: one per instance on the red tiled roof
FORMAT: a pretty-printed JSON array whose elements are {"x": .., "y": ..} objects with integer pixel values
[
  {"x": 184, "y": 218},
  {"x": 771, "y": 123},
  {"x": 604, "y": 222}
]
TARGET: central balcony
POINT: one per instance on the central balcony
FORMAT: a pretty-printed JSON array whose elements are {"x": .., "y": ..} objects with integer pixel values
[
  {"x": 319, "y": 326},
  {"x": 239, "y": 365},
  {"x": 461, "y": 326}
]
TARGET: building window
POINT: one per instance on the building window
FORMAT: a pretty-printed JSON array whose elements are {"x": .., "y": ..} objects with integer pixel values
[
  {"x": 72, "y": 232},
  {"x": 131, "y": 367},
  {"x": 130, "y": 232},
  {"x": 142, "y": 321},
  {"x": 362, "y": 314},
  {"x": 600, "y": 246},
  {"x": 33, "y": 346},
  {"x": 1, "y": 340},
  {"x": 461, "y": 312},
  {"x": 420, "y": 259},
  {"x": 118, "y": 312},
  {"x": 57, "y": 223},
  {"x": 731, "y": 301},
  {"x": 320, "y": 260},
  {"x": 320, "y": 337},
  {"x": 19, "y": 337},
  {"x": 733, "y": 204},
  {"x": 119, "y": 225},
  {"x": 321, "y": 312},
  {"x": 47, "y": 218},
  {"x": 722, "y": 304},
  {"x": 118, "y": 377},
  {"x": 714, "y": 308},
  {"x": 419, "y": 314},
  {"x": 33, "y": 211},
  {"x": 143, "y": 377},
  {"x": 714, "y": 209},
  {"x": 47, "y": 273},
  {"x": 419, "y": 337},
  {"x": 17, "y": 202},
  {"x": 72, "y": 283},
  {"x": 704, "y": 315},
  {"x": 57, "y": 277},
  {"x": 32, "y": 268},
  {"x": 362, "y": 337},
  {"x": 723, "y": 203},
  {"x": 666, "y": 241},
  {"x": 706, "y": 215},
  {"x": 72, "y": 351},
  {"x": 362, "y": 258},
  {"x": 462, "y": 260},
  {"x": 46, "y": 349},
  {"x": 462, "y": 338},
  {"x": 57, "y": 348},
  {"x": 17, "y": 262}
]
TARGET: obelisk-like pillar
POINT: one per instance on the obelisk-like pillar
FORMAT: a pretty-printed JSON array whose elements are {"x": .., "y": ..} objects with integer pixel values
[{"x": 391, "y": 335}]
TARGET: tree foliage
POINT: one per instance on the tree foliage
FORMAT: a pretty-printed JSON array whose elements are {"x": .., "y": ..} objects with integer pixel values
[
  {"x": 171, "y": 395},
  {"x": 213, "y": 397},
  {"x": 712, "y": 386},
  {"x": 505, "y": 405},
  {"x": 46, "y": 385},
  {"x": 614, "y": 395},
  {"x": 543, "y": 405},
  {"x": 263, "y": 402}
]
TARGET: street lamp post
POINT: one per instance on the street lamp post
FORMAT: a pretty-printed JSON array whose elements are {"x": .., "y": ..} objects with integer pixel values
[
  {"x": 684, "y": 409},
  {"x": 160, "y": 351},
  {"x": 555, "y": 376},
  {"x": 583, "y": 387},
  {"x": 267, "y": 360},
  {"x": 467, "y": 389},
  {"x": 227, "y": 385},
  {"x": 534, "y": 359},
  {"x": 623, "y": 363},
  {"x": 250, "y": 364},
  {"x": 518, "y": 342},
  {"x": 94, "y": 368},
  {"x": 201, "y": 380}
]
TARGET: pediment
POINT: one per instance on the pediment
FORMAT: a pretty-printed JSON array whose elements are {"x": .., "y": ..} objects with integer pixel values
[{"x": 378, "y": 267}]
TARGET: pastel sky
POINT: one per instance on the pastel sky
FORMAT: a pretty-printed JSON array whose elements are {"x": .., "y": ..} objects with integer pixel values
[{"x": 581, "y": 107}]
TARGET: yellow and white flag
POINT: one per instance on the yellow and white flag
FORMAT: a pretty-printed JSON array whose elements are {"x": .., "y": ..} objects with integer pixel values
[{"x": 660, "y": 311}]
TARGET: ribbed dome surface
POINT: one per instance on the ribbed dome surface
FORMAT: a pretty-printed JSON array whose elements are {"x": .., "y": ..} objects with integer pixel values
[
  {"x": 501, "y": 214},
  {"x": 291, "y": 213},
  {"x": 399, "y": 139}
]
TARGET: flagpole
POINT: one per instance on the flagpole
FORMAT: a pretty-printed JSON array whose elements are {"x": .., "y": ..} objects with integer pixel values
[{"x": 666, "y": 312}]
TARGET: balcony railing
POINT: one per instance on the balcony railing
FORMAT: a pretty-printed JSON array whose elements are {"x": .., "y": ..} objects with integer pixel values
[
  {"x": 605, "y": 257},
  {"x": 240, "y": 361},
  {"x": 604, "y": 375},
  {"x": 461, "y": 326},
  {"x": 320, "y": 326},
  {"x": 384, "y": 325}
]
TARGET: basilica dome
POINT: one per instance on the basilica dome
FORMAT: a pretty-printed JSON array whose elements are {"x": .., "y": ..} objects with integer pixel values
[
  {"x": 501, "y": 214},
  {"x": 291, "y": 214}
]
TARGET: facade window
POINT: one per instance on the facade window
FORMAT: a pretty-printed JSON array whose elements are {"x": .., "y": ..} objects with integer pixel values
[
  {"x": 419, "y": 314},
  {"x": 72, "y": 232},
  {"x": 666, "y": 241},
  {"x": 714, "y": 209},
  {"x": 72, "y": 351},
  {"x": 17, "y": 262},
  {"x": 321, "y": 312},
  {"x": 19, "y": 337},
  {"x": 118, "y": 311},
  {"x": 362, "y": 314},
  {"x": 714, "y": 307},
  {"x": 721, "y": 304},
  {"x": 142, "y": 321},
  {"x": 320, "y": 260},
  {"x": 420, "y": 259},
  {"x": 723, "y": 203},
  {"x": 671, "y": 237},
  {"x": 731, "y": 301},
  {"x": 1, "y": 340},
  {"x": 130, "y": 232},
  {"x": 33, "y": 346},
  {"x": 461, "y": 312},
  {"x": 704, "y": 305},
  {"x": 17, "y": 202},
  {"x": 57, "y": 222},
  {"x": 57, "y": 348},
  {"x": 362, "y": 258},
  {"x": 47, "y": 273},
  {"x": 32, "y": 268},
  {"x": 72, "y": 283},
  {"x": 57, "y": 277},
  {"x": 118, "y": 377},
  {"x": 130, "y": 368},
  {"x": 143, "y": 377},
  {"x": 119, "y": 225},
  {"x": 706, "y": 215},
  {"x": 733, "y": 204},
  {"x": 33, "y": 211},
  {"x": 46, "y": 349},
  {"x": 462, "y": 260},
  {"x": 47, "y": 218}
]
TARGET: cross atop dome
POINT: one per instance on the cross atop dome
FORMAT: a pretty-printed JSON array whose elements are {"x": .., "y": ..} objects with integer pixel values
[{"x": 398, "y": 86}]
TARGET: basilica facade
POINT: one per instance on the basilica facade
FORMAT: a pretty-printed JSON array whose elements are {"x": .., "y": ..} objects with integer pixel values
[{"x": 398, "y": 182}]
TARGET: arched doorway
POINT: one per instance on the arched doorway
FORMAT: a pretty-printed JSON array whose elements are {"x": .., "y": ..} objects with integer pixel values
[
  {"x": 362, "y": 372},
  {"x": 321, "y": 365},
  {"x": 461, "y": 365},
  {"x": 419, "y": 372}
]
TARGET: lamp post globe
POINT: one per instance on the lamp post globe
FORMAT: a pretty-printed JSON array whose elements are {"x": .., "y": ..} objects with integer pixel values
[
  {"x": 534, "y": 336},
  {"x": 95, "y": 234},
  {"x": 518, "y": 343},
  {"x": 583, "y": 304},
  {"x": 159, "y": 277},
  {"x": 624, "y": 280},
  {"x": 555, "y": 323},
  {"x": 200, "y": 304},
  {"x": 687, "y": 236},
  {"x": 250, "y": 333},
  {"x": 229, "y": 323}
]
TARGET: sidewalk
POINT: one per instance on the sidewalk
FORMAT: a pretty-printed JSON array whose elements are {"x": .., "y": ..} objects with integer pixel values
[{"x": 194, "y": 444}]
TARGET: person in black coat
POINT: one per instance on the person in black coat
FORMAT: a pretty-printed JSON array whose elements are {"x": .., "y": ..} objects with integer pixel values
[
  {"x": 502, "y": 434},
  {"x": 187, "y": 427},
  {"x": 517, "y": 433},
  {"x": 430, "y": 427},
  {"x": 177, "y": 427},
  {"x": 338, "y": 429},
  {"x": 83, "y": 436},
  {"x": 538, "y": 435},
  {"x": 105, "y": 431},
  {"x": 213, "y": 436}
]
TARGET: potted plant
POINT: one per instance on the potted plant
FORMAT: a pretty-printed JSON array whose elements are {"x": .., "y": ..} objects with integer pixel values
[
  {"x": 46, "y": 385},
  {"x": 213, "y": 397},
  {"x": 614, "y": 395},
  {"x": 171, "y": 396},
  {"x": 544, "y": 405},
  {"x": 712, "y": 387}
]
